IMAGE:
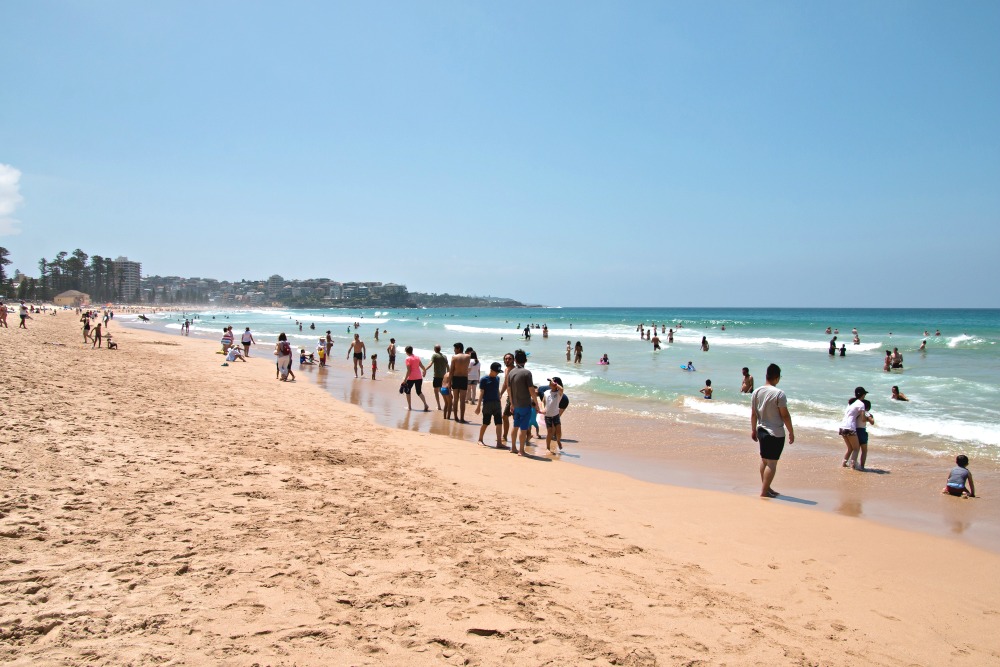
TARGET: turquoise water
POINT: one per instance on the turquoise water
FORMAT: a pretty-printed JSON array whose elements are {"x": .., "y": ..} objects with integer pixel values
[{"x": 954, "y": 387}]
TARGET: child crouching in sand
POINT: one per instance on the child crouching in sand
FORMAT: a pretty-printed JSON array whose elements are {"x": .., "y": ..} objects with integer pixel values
[{"x": 958, "y": 477}]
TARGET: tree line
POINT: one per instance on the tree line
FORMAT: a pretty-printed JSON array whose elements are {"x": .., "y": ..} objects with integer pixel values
[{"x": 92, "y": 274}]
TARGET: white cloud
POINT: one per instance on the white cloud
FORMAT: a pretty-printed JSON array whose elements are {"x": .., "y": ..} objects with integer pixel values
[{"x": 10, "y": 199}]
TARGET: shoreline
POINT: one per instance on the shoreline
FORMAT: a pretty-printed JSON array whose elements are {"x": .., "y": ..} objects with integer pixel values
[
  {"x": 161, "y": 507},
  {"x": 899, "y": 489}
]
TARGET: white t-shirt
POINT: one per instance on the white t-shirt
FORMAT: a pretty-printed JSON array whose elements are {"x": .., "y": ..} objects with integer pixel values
[
  {"x": 854, "y": 411},
  {"x": 552, "y": 399},
  {"x": 247, "y": 337},
  {"x": 474, "y": 367}
]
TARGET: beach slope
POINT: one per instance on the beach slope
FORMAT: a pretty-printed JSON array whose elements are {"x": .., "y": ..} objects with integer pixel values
[{"x": 159, "y": 508}]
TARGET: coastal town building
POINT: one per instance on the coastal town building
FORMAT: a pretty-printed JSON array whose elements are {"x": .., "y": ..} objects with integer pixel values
[
  {"x": 274, "y": 285},
  {"x": 71, "y": 298},
  {"x": 127, "y": 276}
]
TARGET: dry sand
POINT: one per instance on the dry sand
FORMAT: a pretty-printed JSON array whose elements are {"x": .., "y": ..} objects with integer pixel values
[{"x": 158, "y": 508}]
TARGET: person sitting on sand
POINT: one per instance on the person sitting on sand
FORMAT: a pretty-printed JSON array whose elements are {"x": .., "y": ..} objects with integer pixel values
[
  {"x": 958, "y": 477},
  {"x": 706, "y": 391},
  {"x": 305, "y": 358},
  {"x": 235, "y": 354},
  {"x": 897, "y": 395}
]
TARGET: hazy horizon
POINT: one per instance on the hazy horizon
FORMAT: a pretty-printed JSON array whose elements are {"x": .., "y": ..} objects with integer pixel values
[{"x": 767, "y": 154}]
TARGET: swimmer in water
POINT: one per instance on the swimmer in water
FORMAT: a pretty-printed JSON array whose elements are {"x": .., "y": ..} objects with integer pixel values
[
  {"x": 689, "y": 367},
  {"x": 706, "y": 391},
  {"x": 604, "y": 360},
  {"x": 923, "y": 346},
  {"x": 897, "y": 395}
]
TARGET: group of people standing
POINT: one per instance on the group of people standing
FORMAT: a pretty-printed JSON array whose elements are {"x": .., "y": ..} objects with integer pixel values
[{"x": 455, "y": 382}]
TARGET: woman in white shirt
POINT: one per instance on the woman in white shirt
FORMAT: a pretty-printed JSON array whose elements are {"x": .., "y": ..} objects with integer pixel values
[
  {"x": 474, "y": 369},
  {"x": 849, "y": 428}
]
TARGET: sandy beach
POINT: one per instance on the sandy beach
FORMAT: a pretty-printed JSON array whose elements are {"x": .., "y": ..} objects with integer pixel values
[{"x": 158, "y": 507}]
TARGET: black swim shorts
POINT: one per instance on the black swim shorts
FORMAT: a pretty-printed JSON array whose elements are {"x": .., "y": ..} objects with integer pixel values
[
  {"x": 552, "y": 422},
  {"x": 410, "y": 384},
  {"x": 359, "y": 355},
  {"x": 437, "y": 382},
  {"x": 770, "y": 446},
  {"x": 460, "y": 383},
  {"x": 491, "y": 409}
]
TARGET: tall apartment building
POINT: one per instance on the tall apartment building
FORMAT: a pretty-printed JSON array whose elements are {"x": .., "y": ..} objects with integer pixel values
[
  {"x": 274, "y": 285},
  {"x": 127, "y": 275}
]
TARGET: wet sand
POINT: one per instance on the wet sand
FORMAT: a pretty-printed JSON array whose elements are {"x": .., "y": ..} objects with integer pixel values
[{"x": 899, "y": 489}]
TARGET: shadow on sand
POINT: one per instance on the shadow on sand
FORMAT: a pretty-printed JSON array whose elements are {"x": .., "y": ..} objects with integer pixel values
[{"x": 793, "y": 499}]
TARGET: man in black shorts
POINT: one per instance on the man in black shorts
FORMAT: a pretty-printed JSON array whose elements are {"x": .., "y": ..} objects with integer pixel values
[
  {"x": 440, "y": 364},
  {"x": 357, "y": 347},
  {"x": 489, "y": 403},
  {"x": 769, "y": 421}
]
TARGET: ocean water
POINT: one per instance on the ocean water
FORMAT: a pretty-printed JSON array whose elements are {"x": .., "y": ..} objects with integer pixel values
[{"x": 953, "y": 387}]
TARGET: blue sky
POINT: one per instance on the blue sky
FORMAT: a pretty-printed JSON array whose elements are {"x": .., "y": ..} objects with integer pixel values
[{"x": 577, "y": 153}]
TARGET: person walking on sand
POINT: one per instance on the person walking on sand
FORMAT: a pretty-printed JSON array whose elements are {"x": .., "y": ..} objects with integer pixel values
[
  {"x": 358, "y": 348},
  {"x": 414, "y": 377},
  {"x": 747, "y": 386},
  {"x": 97, "y": 336},
  {"x": 247, "y": 340},
  {"x": 522, "y": 396},
  {"x": 769, "y": 422},
  {"x": 3, "y": 317},
  {"x": 489, "y": 403},
  {"x": 23, "y": 314},
  {"x": 440, "y": 364},
  {"x": 391, "y": 351},
  {"x": 459, "y": 371},
  {"x": 283, "y": 350}
]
